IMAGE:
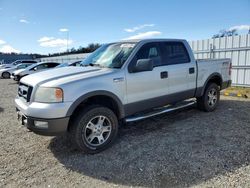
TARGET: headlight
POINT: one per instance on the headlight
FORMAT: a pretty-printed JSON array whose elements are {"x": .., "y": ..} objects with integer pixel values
[{"x": 49, "y": 95}]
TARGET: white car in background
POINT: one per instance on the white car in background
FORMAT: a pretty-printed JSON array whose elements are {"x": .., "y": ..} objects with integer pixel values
[
  {"x": 38, "y": 67},
  {"x": 15, "y": 63},
  {"x": 6, "y": 73}
]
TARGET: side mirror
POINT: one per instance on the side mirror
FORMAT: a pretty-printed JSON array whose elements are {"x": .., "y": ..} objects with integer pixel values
[
  {"x": 144, "y": 65},
  {"x": 35, "y": 69}
]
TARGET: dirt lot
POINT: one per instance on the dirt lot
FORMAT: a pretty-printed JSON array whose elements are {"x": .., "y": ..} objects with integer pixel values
[{"x": 187, "y": 148}]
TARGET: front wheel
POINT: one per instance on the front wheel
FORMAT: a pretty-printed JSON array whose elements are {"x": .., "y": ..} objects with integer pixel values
[
  {"x": 94, "y": 129},
  {"x": 210, "y": 99}
]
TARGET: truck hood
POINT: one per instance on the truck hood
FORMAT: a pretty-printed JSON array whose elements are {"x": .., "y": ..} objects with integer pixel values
[{"x": 59, "y": 73}]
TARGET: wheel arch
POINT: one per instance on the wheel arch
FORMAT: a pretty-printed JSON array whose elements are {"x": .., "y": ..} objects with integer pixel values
[
  {"x": 215, "y": 78},
  {"x": 101, "y": 97}
]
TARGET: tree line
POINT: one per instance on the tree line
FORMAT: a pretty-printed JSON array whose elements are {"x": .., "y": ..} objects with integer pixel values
[
  {"x": 227, "y": 33},
  {"x": 88, "y": 49}
]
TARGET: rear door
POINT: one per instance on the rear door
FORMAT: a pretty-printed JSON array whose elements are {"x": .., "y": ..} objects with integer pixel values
[{"x": 181, "y": 70}]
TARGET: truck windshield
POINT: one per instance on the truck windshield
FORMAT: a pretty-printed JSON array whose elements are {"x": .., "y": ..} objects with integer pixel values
[{"x": 109, "y": 55}]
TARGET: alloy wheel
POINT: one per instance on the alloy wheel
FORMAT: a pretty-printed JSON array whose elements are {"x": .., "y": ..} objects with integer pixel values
[
  {"x": 97, "y": 131},
  {"x": 212, "y": 97}
]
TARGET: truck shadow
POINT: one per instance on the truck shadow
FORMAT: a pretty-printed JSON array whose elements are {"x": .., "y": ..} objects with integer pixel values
[{"x": 181, "y": 149}]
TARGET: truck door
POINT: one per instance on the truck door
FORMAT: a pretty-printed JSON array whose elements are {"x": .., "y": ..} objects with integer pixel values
[
  {"x": 146, "y": 89},
  {"x": 181, "y": 70}
]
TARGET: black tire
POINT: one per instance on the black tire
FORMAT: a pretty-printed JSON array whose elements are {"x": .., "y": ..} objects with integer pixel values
[
  {"x": 5, "y": 75},
  {"x": 80, "y": 127},
  {"x": 205, "y": 102}
]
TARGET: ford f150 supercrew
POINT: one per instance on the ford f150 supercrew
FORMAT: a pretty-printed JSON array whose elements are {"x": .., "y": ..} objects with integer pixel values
[{"x": 119, "y": 82}]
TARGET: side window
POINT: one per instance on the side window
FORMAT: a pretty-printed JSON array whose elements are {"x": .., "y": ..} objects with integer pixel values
[
  {"x": 42, "y": 66},
  {"x": 27, "y": 62},
  {"x": 150, "y": 51},
  {"x": 78, "y": 64},
  {"x": 52, "y": 65},
  {"x": 21, "y": 66},
  {"x": 174, "y": 53}
]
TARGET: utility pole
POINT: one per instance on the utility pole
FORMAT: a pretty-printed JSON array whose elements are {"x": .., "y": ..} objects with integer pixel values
[{"x": 68, "y": 41}]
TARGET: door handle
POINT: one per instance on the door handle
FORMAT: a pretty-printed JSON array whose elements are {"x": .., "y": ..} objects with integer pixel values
[
  {"x": 164, "y": 74},
  {"x": 191, "y": 70}
]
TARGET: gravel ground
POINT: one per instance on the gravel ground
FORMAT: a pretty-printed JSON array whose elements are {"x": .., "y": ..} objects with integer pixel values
[{"x": 182, "y": 149}]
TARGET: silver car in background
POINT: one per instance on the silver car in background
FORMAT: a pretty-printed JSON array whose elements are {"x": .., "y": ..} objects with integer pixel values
[
  {"x": 38, "y": 67},
  {"x": 7, "y": 72},
  {"x": 15, "y": 63}
]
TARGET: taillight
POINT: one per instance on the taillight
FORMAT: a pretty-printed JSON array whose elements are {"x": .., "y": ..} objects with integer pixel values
[{"x": 230, "y": 69}]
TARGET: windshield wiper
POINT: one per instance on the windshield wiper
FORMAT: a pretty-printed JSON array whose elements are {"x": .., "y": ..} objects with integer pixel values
[{"x": 94, "y": 65}]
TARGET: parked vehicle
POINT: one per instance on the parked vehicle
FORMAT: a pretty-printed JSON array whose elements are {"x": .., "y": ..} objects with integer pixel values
[
  {"x": 72, "y": 64},
  {"x": 15, "y": 63},
  {"x": 122, "y": 81},
  {"x": 17, "y": 75},
  {"x": 6, "y": 73}
]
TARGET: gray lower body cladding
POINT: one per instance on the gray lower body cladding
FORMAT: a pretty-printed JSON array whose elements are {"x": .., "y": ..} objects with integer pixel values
[
  {"x": 53, "y": 127},
  {"x": 140, "y": 106},
  {"x": 56, "y": 127}
]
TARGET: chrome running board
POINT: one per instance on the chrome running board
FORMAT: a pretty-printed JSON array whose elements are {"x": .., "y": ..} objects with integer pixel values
[{"x": 159, "y": 111}]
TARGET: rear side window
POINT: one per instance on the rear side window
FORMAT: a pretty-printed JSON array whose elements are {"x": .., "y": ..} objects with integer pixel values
[{"x": 174, "y": 53}]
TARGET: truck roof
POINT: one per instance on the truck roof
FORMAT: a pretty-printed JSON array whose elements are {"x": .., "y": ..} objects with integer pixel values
[{"x": 151, "y": 40}]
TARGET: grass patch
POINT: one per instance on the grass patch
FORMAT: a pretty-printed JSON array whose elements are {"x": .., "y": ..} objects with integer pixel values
[{"x": 241, "y": 91}]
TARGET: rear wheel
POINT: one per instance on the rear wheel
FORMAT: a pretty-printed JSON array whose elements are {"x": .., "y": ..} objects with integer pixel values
[
  {"x": 94, "y": 129},
  {"x": 6, "y": 75},
  {"x": 210, "y": 99}
]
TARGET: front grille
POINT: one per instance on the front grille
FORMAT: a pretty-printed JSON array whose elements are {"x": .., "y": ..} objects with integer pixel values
[{"x": 24, "y": 91}]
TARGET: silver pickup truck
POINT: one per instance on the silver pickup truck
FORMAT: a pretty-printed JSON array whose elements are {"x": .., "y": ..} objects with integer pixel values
[{"x": 120, "y": 82}]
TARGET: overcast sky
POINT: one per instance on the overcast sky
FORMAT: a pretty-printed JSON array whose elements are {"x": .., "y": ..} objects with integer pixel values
[{"x": 42, "y": 26}]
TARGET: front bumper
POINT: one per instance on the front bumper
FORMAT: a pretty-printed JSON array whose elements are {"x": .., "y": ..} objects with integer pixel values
[
  {"x": 52, "y": 115},
  {"x": 16, "y": 77},
  {"x": 50, "y": 127},
  {"x": 43, "y": 110}
]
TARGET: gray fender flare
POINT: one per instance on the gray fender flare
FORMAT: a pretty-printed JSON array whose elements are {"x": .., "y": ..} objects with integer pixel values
[
  {"x": 201, "y": 91},
  {"x": 96, "y": 93}
]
